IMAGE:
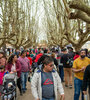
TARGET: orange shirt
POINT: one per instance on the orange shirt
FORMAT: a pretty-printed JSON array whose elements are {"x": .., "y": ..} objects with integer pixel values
[{"x": 78, "y": 64}]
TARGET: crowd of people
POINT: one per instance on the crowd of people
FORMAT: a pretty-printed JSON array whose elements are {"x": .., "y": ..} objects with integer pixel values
[{"x": 50, "y": 69}]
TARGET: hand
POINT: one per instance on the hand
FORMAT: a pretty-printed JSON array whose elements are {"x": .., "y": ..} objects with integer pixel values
[
  {"x": 83, "y": 69},
  {"x": 14, "y": 71},
  {"x": 38, "y": 99},
  {"x": 62, "y": 97},
  {"x": 11, "y": 72},
  {"x": 30, "y": 71},
  {"x": 84, "y": 92}
]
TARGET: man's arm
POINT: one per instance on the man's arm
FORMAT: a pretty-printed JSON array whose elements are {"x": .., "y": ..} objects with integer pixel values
[
  {"x": 75, "y": 69},
  {"x": 34, "y": 86}
]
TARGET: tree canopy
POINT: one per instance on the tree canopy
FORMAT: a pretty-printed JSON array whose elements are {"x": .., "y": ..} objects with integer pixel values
[{"x": 62, "y": 22}]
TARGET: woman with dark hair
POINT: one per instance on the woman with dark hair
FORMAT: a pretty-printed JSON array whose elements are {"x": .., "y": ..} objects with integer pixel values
[
  {"x": 86, "y": 80},
  {"x": 46, "y": 81},
  {"x": 14, "y": 66}
]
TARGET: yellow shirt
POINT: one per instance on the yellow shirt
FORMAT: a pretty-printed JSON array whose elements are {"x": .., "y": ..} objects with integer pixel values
[{"x": 78, "y": 64}]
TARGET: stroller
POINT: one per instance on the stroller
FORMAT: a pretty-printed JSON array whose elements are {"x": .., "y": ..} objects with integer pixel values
[{"x": 9, "y": 87}]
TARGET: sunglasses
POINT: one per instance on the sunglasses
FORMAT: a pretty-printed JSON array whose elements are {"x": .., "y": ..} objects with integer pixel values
[{"x": 51, "y": 65}]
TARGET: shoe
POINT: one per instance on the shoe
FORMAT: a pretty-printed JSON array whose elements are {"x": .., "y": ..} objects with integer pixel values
[
  {"x": 66, "y": 85},
  {"x": 23, "y": 91},
  {"x": 25, "y": 88},
  {"x": 62, "y": 81},
  {"x": 70, "y": 86}
]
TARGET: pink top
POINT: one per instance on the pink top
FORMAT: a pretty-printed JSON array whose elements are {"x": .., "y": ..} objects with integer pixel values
[
  {"x": 1, "y": 77},
  {"x": 36, "y": 51}
]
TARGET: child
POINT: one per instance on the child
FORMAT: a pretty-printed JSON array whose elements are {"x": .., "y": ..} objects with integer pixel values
[
  {"x": 2, "y": 72},
  {"x": 8, "y": 89}
]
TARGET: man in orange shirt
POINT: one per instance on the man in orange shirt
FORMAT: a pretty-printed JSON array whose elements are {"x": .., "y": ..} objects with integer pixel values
[{"x": 79, "y": 66}]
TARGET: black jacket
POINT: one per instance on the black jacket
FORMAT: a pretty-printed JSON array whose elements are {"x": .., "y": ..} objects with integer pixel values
[
  {"x": 64, "y": 60},
  {"x": 86, "y": 80}
]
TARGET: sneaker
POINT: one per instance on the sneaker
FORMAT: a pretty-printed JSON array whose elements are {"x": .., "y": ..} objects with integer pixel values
[
  {"x": 23, "y": 91},
  {"x": 25, "y": 88},
  {"x": 70, "y": 86},
  {"x": 66, "y": 85},
  {"x": 62, "y": 81}
]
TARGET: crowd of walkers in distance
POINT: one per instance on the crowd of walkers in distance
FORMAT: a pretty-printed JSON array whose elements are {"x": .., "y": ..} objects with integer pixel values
[{"x": 49, "y": 68}]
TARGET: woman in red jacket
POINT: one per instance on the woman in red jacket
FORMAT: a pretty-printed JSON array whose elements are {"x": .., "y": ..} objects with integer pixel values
[{"x": 14, "y": 66}]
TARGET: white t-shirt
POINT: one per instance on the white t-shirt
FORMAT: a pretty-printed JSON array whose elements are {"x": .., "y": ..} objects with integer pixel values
[{"x": 13, "y": 67}]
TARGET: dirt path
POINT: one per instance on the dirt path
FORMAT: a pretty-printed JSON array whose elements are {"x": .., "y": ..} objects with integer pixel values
[{"x": 28, "y": 95}]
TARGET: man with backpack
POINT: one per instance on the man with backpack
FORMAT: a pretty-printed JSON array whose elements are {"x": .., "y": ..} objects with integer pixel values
[{"x": 67, "y": 68}]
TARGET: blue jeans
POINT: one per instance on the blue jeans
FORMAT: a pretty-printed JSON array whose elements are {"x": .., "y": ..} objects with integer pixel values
[
  {"x": 61, "y": 72},
  {"x": 24, "y": 77},
  {"x": 48, "y": 99},
  {"x": 77, "y": 89}
]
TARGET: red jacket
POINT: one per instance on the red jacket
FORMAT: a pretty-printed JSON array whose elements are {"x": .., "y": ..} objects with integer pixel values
[
  {"x": 30, "y": 59},
  {"x": 18, "y": 68},
  {"x": 38, "y": 56},
  {"x": 76, "y": 56}
]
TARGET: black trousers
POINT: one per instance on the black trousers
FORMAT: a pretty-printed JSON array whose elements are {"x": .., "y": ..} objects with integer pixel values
[{"x": 19, "y": 83}]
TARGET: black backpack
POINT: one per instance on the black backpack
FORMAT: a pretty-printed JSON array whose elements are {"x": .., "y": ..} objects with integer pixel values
[{"x": 70, "y": 61}]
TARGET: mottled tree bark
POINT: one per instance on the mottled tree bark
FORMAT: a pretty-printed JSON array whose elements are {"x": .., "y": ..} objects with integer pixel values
[{"x": 82, "y": 10}]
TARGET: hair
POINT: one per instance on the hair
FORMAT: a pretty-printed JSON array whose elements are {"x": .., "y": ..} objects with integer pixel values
[
  {"x": 27, "y": 55},
  {"x": 4, "y": 57},
  {"x": 45, "y": 51},
  {"x": 53, "y": 55},
  {"x": 10, "y": 60},
  {"x": 63, "y": 50},
  {"x": 45, "y": 60},
  {"x": 23, "y": 52},
  {"x": 82, "y": 50},
  {"x": 86, "y": 51},
  {"x": 77, "y": 53},
  {"x": 39, "y": 48}
]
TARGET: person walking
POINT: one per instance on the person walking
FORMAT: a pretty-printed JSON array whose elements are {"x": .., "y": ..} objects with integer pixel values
[
  {"x": 67, "y": 68},
  {"x": 61, "y": 69},
  {"x": 46, "y": 82},
  {"x": 79, "y": 66},
  {"x": 25, "y": 68},
  {"x": 14, "y": 66},
  {"x": 86, "y": 81}
]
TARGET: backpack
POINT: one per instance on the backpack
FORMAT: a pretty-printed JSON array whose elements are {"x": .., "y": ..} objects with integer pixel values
[{"x": 70, "y": 62}]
